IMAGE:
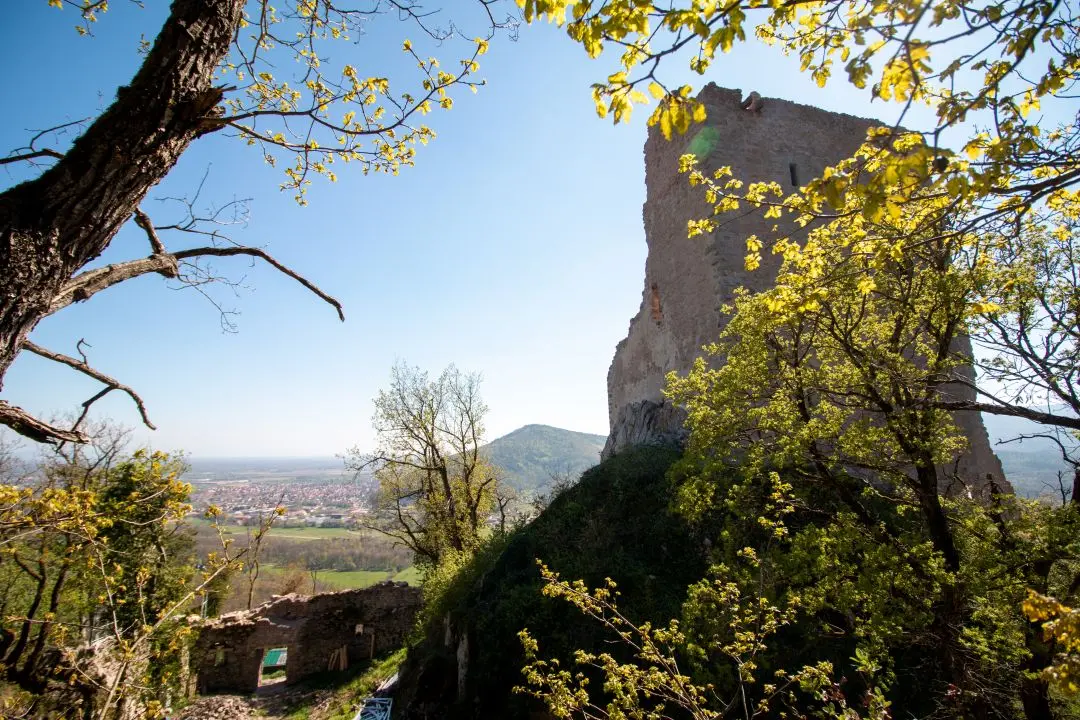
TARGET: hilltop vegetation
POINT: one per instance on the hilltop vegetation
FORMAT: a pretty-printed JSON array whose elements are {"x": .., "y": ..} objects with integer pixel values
[{"x": 533, "y": 455}]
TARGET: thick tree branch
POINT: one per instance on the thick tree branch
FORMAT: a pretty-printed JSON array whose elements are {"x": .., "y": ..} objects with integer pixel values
[
  {"x": 84, "y": 285},
  {"x": 83, "y": 367},
  {"x": 1043, "y": 418},
  {"x": 29, "y": 426}
]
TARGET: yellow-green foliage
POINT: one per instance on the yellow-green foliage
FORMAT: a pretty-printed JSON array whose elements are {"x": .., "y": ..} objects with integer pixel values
[
  {"x": 1061, "y": 625},
  {"x": 1002, "y": 61},
  {"x": 728, "y": 621},
  {"x": 288, "y": 94},
  {"x": 98, "y": 549}
]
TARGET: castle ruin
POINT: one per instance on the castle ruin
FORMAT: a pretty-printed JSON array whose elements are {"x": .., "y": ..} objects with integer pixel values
[
  {"x": 687, "y": 282},
  {"x": 311, "y": 634}
]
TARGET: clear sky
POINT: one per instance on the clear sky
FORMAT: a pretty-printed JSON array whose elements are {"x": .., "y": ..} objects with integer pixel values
[{"x": 514, "y": 248}]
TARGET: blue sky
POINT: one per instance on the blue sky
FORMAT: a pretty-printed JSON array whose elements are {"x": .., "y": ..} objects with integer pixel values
[{"x": 514, "y": 248}]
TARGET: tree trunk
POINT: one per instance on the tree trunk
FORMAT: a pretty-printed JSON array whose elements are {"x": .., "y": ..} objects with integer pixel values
[
  {"x": 1035, "y": 693},
  {"x": 937, "y": 523},
  {"x": 53, "y": 225}
]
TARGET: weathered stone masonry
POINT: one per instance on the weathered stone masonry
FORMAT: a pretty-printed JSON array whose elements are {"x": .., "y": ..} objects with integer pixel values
[
  {"x": 688, "y": 281},
  {"x": 229, "y": 649}
]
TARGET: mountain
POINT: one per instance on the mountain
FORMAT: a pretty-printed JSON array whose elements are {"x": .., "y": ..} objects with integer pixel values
[{"x": 531, "y": 455}]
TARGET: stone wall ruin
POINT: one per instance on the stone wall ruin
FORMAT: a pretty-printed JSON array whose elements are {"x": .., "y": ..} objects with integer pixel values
[
  {"x": 687, "y": 282},
  {"x": 315, "y": 629}
]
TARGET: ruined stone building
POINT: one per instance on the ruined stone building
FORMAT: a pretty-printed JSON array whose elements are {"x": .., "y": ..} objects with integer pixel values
[
  {"x": 688, "y": 281},
  {"x": 318, "y": 633}
]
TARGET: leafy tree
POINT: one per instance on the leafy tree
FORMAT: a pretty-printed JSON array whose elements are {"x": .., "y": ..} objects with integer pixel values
[
  {"x": 843, "y": 378},
  {"x": 844, "y": 375},
  {"x": 275, "y": 76},
  {"x": 96, "y": 557},
  {"x": 654, "y": 685},
  {"x": 436, "y": 489},
  {"x": 149, "y": 548},
  {"x": 1006, "y": 205},
  {"x": 1061, "y": 626},
  {"x": 98, "y": 578}
]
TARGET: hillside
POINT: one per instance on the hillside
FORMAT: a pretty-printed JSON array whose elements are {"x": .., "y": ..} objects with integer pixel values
[
  {"x": 531, "y": 455},
  {"x": 614, "y": 523}
]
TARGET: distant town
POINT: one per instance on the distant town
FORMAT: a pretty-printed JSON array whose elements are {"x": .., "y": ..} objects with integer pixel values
[{"x": 316, "y": 492}]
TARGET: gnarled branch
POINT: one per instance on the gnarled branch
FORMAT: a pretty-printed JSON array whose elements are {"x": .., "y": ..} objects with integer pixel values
[
  {"x": 270, "y": 260},
  {"x": 84, "y": 285},
  {"x": 84, "y": 367},
  {"x": 29, "y": 426},
  {"x": 143, "y": 221}
]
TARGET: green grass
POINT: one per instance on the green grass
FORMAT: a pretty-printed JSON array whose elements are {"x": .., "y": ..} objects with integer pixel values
[
  {"x": 410, "y": 575},
  {"x": 349, "y": 580},
  {"x": 348, "y": 692}
]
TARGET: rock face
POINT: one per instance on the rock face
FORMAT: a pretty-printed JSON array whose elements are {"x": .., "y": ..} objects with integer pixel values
[
  {"x": 317, "y": 631},
  {"x": 688, "y": 281}
]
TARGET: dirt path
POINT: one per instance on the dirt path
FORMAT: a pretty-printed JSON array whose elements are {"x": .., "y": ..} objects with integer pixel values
[{"x": 268, "y": 704}]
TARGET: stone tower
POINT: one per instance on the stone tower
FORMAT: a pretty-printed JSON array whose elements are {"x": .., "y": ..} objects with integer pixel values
[{"x": 688, "y": 281}]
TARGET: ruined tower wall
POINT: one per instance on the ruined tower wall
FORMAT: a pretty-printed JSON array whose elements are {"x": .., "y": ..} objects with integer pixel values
[
  {"x": 688, "y": 281},
  {"x": 229, "y": 650}
]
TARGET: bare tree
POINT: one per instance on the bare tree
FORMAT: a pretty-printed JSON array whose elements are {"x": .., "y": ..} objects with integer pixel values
[
  {"x": 436, "y": 489},
  {"x": 253, "y": 559}
]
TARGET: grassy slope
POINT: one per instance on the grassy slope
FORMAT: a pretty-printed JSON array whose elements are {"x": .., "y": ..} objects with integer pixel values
[
  {"x": 348, "y": 580},
  {"x": 614, "y": 523}
]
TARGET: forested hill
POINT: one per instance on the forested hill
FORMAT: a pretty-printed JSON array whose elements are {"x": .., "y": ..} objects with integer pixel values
[{"x": 531, "y": 455}]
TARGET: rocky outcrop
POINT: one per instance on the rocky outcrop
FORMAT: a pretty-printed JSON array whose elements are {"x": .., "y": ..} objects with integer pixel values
[
  {"x": 689, "y": 281},
  {"x": 645, "y": 422}
]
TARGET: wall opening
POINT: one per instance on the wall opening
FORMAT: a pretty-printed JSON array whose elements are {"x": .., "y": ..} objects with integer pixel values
[
  {"x": 272, "y": 670},
  {"x": 794, "y": 171}
]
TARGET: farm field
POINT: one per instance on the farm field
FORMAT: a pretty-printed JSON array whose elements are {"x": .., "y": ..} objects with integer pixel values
[
  {"x": 350, "y": 580},
  {"x": 347, "y": 580},
  {"x": 292, "y": 533}
]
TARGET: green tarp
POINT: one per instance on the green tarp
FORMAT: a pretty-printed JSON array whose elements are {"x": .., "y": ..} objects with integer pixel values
[{"x": 275, "y": 657}]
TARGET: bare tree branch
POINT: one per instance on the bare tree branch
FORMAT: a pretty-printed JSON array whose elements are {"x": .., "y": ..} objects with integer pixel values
[
  {"x": 29, "y": 426},
  {"x": 83, "y": 367},
  {"x": 45, "y": 152},
  {"x": 1043, "y": 418},
  {"x": 1066, "y": 455},
  {"x": 266, "y": 257},
  {"x": 84, "y": 285},
  {"x": 143, "y": 221},
  {"x": 30, "y": 151}
]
